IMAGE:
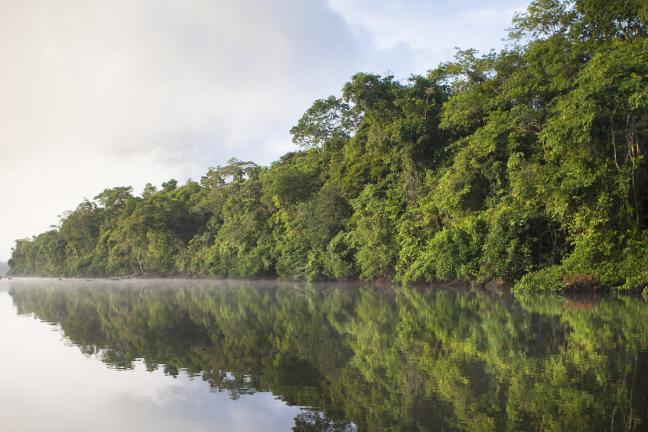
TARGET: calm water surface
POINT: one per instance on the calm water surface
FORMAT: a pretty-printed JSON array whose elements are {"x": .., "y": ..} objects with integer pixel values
[{"x": 244, "y": 356}]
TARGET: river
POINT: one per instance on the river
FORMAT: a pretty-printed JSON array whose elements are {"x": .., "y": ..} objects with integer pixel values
[{"x": 280, "y": 356}]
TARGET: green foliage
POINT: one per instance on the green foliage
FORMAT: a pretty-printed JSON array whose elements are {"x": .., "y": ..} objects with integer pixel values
[
  {"x": 551, "y": 279},
  {"x": 374, "y": 235},
  {"x": 328, "y": 121},
  {"x": 453, "y": 253}
]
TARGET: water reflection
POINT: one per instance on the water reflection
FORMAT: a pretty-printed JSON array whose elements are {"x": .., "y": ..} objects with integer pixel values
[{"x": 373, "y": 358}]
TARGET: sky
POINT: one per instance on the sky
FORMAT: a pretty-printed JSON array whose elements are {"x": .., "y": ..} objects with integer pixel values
[{"x": 99, "y": 94}]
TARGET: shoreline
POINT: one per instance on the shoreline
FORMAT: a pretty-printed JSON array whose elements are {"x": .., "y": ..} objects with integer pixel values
[
  {"x": 491, "y": 286},
  {"x": 494, "y": 286}
]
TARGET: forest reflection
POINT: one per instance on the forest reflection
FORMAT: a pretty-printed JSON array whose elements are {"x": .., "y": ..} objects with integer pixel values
[{"x": 373, "y": 357}]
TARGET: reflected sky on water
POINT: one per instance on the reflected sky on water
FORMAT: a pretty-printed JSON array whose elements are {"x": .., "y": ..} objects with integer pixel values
[
  {"x": 245, "y": 356},
  {"x": 47, "y": 384}
]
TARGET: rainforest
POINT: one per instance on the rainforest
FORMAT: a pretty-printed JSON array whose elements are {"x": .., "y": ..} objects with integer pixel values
[{"x": 526, "y": 165}]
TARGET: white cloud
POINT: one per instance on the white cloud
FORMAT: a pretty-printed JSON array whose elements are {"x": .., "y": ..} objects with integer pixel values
[{"x": 430, "y": 29}]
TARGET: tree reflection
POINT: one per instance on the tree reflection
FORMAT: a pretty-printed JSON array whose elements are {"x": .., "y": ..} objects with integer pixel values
[
  {"x": 317, "y": 422},
  {"x": 374, "y": 358}
]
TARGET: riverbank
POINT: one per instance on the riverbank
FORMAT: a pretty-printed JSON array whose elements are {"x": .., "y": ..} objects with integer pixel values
[{"x": 490, "y": 285}]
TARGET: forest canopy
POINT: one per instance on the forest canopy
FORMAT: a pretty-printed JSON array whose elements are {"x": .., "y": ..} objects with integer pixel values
[{"x": 527, "y": 164}]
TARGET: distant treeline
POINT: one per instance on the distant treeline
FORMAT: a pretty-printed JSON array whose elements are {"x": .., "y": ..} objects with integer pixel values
[
  {"x": 526, "y": 164},
  {"x": 4, "y": 268}
]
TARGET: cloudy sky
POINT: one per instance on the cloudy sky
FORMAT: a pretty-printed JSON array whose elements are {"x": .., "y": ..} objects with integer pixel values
[{"x": 104, "y": 93}]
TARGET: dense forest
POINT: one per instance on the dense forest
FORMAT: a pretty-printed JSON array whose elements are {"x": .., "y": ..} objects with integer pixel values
[
  {"x": 527, "y": 164},
  {"x": 384, "y": 358}
]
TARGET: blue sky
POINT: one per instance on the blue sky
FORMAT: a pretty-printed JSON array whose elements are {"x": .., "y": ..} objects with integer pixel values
[{"x": 97, "y": 94}]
